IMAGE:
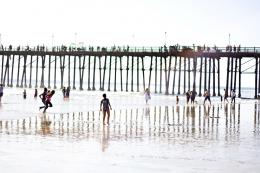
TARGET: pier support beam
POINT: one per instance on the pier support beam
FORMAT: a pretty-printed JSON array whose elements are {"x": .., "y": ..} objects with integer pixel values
[
  {"x": 184, "y": 81},
  {"x": 115, "y": 75},
  {"x": 256, "y": 68},
  {"x": 104, "y": 73},
  {"x": 109, "y": 75},
  {"x": 69, "y": 71},
  {"x": 12, "y": 73},
  {"x": 189, "y": 73},
  {"x": 160, "y": 89},
  {"x": 30, "y": 82},
  {"x": 235, "y": 76},
  {"x": 132, "y": 75},
  {"x": 209, "y": 81},
  {"x": 227, "y": 80},
  {"x": 205, "y": 74},
  {"x": 155, "y": 74},
  {"x": 142, "y": 58},
  {"x": 218, "y": 76},
  {"x": 49, "y": 73},
  {"x": 94, "y": 74},
  {"x": 62, "y": 67},
  {"x": 100, "y": 73},
  {"x": 167, "y": 75},
  {"x": 174, "y": 75},
  {"x": 179, "y": 82},
  {"x": 37, "y": 66},
  {"x": 18, "y": 71},
  {"x": 127, "y": 72},
  {"x": 239, "y": 77},
  {"x": 214, "y": 76},
  {"x": 231, "y": 73},
  {"x": 55, "y": 71},
  {"x": 89, "y": 60},
  {"x": 201, "y": 62},
  {"x": 74, "y": 72},
  {"x": 194, "y": 73},
  {"x": 150, "y": 72},
  {"x": 121, "y": 73}
]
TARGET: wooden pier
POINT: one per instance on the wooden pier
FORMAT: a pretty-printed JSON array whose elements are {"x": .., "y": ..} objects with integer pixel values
[{"x": 167, "y": 70}]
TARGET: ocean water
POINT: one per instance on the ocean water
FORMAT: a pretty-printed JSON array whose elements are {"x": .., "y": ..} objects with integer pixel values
[{"x": 157, "y": 137}]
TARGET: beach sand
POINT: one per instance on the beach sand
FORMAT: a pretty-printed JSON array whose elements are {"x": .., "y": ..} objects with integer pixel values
[{"x": 158, "y": 137}]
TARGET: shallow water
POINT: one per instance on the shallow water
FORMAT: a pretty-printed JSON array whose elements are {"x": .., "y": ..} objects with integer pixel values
[{"x": 158, "y": 137}]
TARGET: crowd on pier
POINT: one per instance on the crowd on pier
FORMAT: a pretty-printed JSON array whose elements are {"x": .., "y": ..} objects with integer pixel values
[{"x": 127, "y": 48}]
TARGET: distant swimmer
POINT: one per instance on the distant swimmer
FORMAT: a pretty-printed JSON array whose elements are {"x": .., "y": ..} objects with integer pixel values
[
  {"x": 105, "y": 107},
  {"x": 48, "y": 100}
]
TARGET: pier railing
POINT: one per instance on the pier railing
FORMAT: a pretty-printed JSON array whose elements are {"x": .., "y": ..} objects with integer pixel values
[{"x": 159, "y": 49}]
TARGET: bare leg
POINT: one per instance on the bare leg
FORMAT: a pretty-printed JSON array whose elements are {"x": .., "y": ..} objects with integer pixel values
[
  {"x": 108, "y": 116},
  {"x": 104, "y": 117}
]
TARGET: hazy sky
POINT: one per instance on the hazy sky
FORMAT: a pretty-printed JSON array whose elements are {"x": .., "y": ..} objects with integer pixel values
[{"x": 133, "y": 22}]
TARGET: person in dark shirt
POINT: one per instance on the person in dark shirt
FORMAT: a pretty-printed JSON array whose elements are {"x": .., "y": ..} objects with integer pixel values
[
  {"x": 43, "y": 97},
  {"x": 105, "y": 107}
]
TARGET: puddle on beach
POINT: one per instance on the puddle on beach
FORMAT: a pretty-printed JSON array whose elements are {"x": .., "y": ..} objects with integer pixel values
[{"x": 158, "y": 137}]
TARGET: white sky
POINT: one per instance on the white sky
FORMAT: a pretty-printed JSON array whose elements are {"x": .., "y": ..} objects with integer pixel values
[{"x": 132, "y": 22}]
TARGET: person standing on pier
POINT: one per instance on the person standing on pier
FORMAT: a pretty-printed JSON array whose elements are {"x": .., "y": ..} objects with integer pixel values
[
  {"x": 43, "y": 97},
  {"x": 207, "y": 96},
  {"x": 1, "y": 92},
  {"x": 48, "y": 100},
  {"x": 147, "y": 95},
  {"x": 105, "y": 107}
]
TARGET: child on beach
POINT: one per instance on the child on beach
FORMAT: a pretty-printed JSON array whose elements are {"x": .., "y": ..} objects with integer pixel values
[
  {"x": 207, "y": 96},
  {"x": 48, "y": 100},
  {"x": 104, "y": 106},
  {"x": 43, "y": 97},
  {"x": 147, "y": 95},
  {"x": 177, "y": 99}
]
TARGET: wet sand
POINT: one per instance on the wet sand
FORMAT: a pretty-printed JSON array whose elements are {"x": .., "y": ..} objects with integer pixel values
[{"x": 158, "y": 137}]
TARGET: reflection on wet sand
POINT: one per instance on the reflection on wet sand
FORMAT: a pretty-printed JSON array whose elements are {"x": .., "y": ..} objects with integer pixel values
[{"x": 165, "y": 122}]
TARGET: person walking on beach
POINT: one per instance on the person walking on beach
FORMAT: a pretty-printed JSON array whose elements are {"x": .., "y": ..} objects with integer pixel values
[
  {"x": 188, "y": 96},
  {"x": 68, "y": 92},
  {"x": 43, "y": 97},
  {"x": 207, "y": 96},
  {"x": 1, "y": 92},
  {"x": 105, "y": 107},
  {"x": 48, "y": 100},
  {"x": 35, "y": 93},
  {"x": 177, "y": 99},
  {"x": 64, "y": 92},
  {"x": 233, "y": 96},
  {"x": 24, "y": 94},
  {"x": 193, "y": 96},
  {"x": 225, "y": 95},
  {"x": 147, "y": 95}
]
